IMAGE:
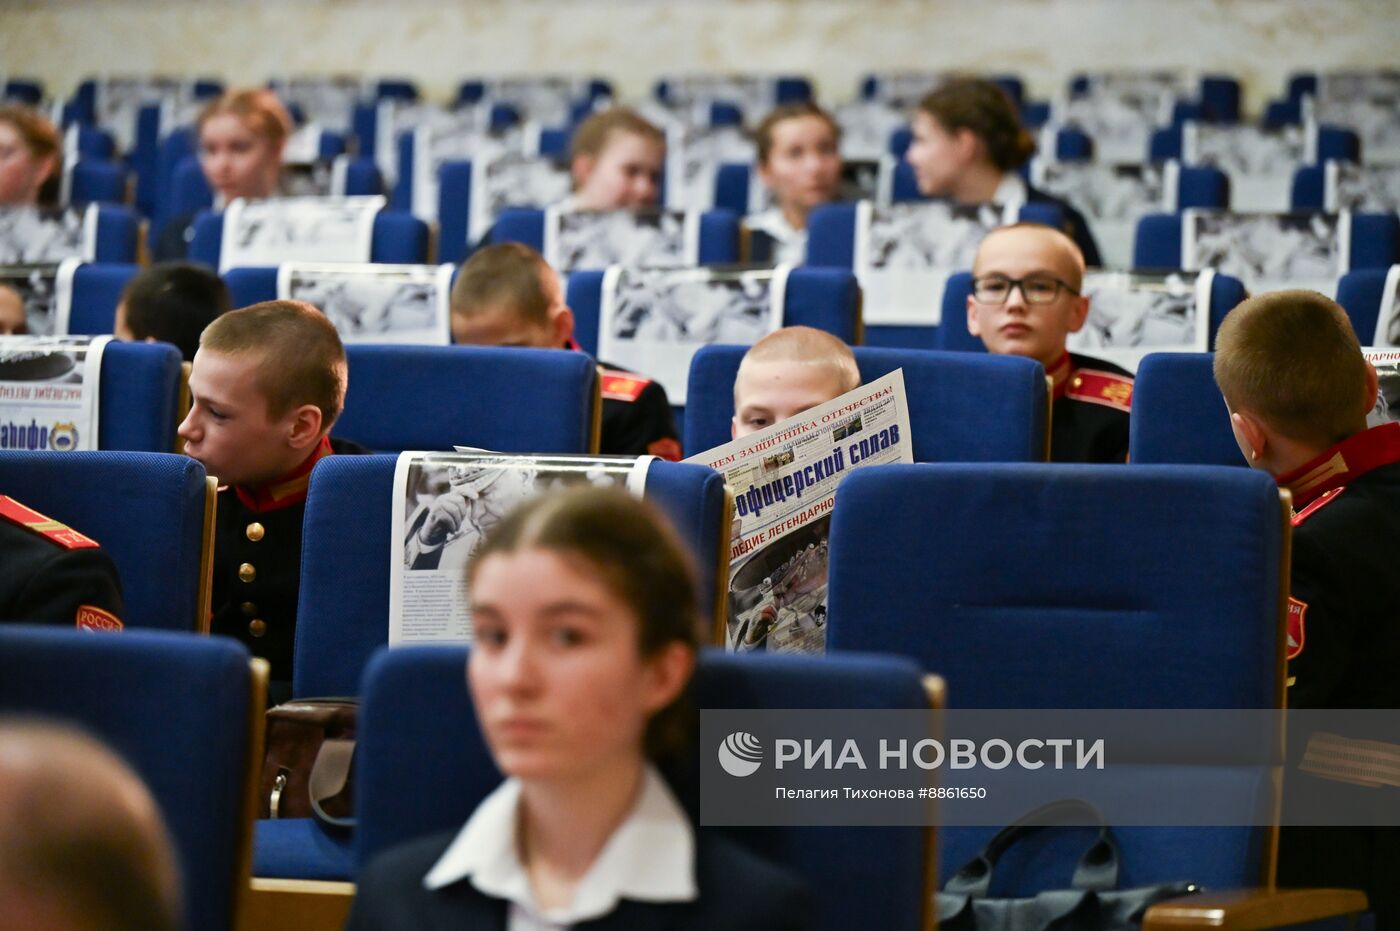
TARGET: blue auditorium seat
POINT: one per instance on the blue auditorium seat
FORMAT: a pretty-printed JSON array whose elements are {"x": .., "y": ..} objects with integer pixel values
[
  {"x": 139, "y": 397},
  {"x": 97, "y": 181},
  {"x": 961, "y": 408},
  {"x": 1360, "y": 293},
  {"x": 455, "y": 205},
  {"x": 719, "y": 233},
  {"x": 1080, "y": 587},
  {"x": 504, "y": 399},
  {"x": 146, "y": 509},
  {"x": 97, "y": 289},
  {"x": 399, "y": 238},
  {"x": 859, "y": 877},
  {"x": 117, "y": 230},
  {"x": 1179, "y": 415},
  {"x": 185, "y": 713}
]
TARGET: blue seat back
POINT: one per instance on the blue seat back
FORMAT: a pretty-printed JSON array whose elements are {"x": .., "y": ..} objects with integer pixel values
[
  {"x": 418, "y": 724},
  {"x": 1071, "y": 586},
  {"x": 503, "y": 399},
  {"x": 117, "y": 230},
  {"x": 97, "y": 289},
  {"x": 719, "y": 233},
  {"x": 961, "y": 408},
  {"x": 138, "y": 397},
  {"x": 1360, "y": 293},
  {"x": 398, "y": 238},
  {"x": 96, "y": 181},
  {"x": 251, "y": 284},
  {"x": 1179, "y": 415},
  {"x": 825, "y": 298},
  {"x": 147, "y": 511},
  {"x": 343, "y": 612},
  {"x": 138, "y": 694}
]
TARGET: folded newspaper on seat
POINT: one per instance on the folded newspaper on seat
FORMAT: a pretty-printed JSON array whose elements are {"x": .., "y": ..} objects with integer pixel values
[
  {"x": 39, "y": 297},
  {"x": 375, "y": 303},
  {"x": 49, "y": 391},
  {"x": 784, "y": 480}
]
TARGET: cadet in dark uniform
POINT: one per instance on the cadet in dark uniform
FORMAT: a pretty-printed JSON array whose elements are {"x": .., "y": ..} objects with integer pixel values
[
  {"x": 1299, "y": 391},
  {"x": 506, "y": 295},
  {"x": 52, "y": 574},
  {"x": 1025, "y": 301},
  {"x": 267, "y": 383}
]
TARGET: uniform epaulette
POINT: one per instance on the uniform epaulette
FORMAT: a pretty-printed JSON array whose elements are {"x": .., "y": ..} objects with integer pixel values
[
  {"x": 60, "y": 534},
  {"x": 1317, "y": 504},
  {"x": 622, "y": 386},
  {"x": 1098, "y": 387}
]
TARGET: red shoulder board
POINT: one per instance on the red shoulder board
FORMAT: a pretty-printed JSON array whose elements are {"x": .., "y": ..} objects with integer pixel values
[
  {"x": 1106, "y": 388},
  {"x": 622, "y": 386},
  {"x": 94, "y": 618},
  {"x": 61, "y": 534},
  {"x": 1317, "y": 504}
]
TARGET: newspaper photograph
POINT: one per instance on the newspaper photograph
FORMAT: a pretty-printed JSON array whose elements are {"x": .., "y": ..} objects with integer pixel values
[
  {"x": 1348, "y": 85},
  {"x": 1268, "y": 251},
  {"x": 1112, "y": 198},
  {"x": 445, "y": 503},
  {"x": 595, "y": 239},
  {"x": 375, "y": 303},
  {"x": 49, "y": 391},
  {"x": 1131, "y": 315},
  {"x": 118, "y": 102},
  {"x": 784, "y": 482},
  {"x": 1388, "y": 320},
  {"x": 904, "y": 254},
  {"x": 37, "y": 234},
  {"x": 655, "y": 321},
  {"x": 512, "y": 179},
  {"x": 37, "y": 300},
  {"x": 1387, "y": 363},
  {"x": 327, "y": 101},
  {"x": 1349, "y": 186},
  {"x": 1119, "y": 116},
  {"x": 866, "y": 127},
  {"x": 1259, "y": 162},
  {"x": 299, "y": 229},
  {"x": 464, "y": 135},
  {"x": 694, "y": 154},
  {"x": 319, "y": 178}
]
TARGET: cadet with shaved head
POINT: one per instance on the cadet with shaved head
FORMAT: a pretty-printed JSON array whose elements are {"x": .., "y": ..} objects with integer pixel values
[
  {"x": 1026, "y": 301},
  {"x": 787, "y": 372}
]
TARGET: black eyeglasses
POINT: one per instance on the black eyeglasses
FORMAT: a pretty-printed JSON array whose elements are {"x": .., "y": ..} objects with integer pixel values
[{"x": 1036, "y": 289}]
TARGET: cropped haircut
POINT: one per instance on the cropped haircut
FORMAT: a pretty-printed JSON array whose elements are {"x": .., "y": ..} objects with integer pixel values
[
  {"x": 301, "y": 359},
  {"x": 988, "y": 112},
  {"x": 637, "y": 555},
  {"x": 1063, "y": 241},
  {"x": 505, "y": 275},
  {"x": 174, "y": 302},
  {"x": 1292, "y": 358},
  {"x": 42, "y": 139},
  {"x": 763, "y": 136},
  {"x": 806, "y": 346},
  {"x": 259, "y": 108},
  {"x": 594, "y": 133}
]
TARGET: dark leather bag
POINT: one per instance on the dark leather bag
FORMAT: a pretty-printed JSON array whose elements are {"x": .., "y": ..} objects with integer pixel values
[
  {"x": 1092, "y": 903},
  {"x": 308, "y": 769}
]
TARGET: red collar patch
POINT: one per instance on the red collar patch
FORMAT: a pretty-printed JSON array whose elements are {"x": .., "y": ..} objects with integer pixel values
[
  {"x": 285, "y": 490},
  {"x": 1338, "y": 465},
  {"x": 621, "y": 386}
]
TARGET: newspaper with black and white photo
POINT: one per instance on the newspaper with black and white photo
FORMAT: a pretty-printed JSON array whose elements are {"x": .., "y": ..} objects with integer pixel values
[
  {"x": 595, "y": 239},
  {"x": 49, "y": 391},
  {"x": 1112, "y": 198},
  {"x": 655, "y": 320},
  {"x": 1348, "y": 186},
  {"x": 445, "y": 503},
  {"x": 1131, "y": 315},
  {"x": 512, "y": 179},
  {"x": 40, "y": 234},
  {"x": 1260, "y": 162},
  {"x": 784, "y": 480},
  {"x": 1387, "y": 363},
  {"x": 905, "y": 253},
  {"x": 375, "y": 303},
  {"x": 1269, "y": 251},
  {"x": 39, "y": 298},
  {"x": 301, "y": 229}
]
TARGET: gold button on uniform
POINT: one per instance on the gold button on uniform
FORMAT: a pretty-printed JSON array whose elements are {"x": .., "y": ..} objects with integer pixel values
[
  {"x": 247, "y": 573},
  {"x": 249, "y": 609},
  {"x": 257, "y": 627},
  {"x": 255, "y": 531}
]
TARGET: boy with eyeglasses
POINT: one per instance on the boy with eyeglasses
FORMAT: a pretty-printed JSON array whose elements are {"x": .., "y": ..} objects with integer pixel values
[{"x": 1025, "y": 301}]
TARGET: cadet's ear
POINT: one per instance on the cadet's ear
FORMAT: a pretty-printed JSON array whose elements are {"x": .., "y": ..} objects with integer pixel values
[
  {"x": 1252, "y": 434},
  {"x": 1078, "y": 314},
  {"x": 974, "y": 327},
  {"x": 561, "y": 321},
  {"x": 304, "y": 427}
]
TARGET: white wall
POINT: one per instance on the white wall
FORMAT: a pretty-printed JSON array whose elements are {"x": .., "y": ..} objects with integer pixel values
[{"x": 632, "y": 41}]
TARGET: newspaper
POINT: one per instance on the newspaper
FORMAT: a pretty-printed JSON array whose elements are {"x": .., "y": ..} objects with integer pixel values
[
  {"x": 784, "y": 482},
  {"x": 1387, "y": 363},
  {"x": 905, "y": 253},
  {"x": 512, "y": 179},
  {"x": 37, "y": 300},
  {"x": 304, "y": 144},
  {"x": 1259, "y": 162},
  {"x": 375, "y": 303},
  {"x": 393, "y": 116},
  {"x": 118, "y": 101},
  {"x": 36, "y": 234},
  {"x": 1132, "y": 315},
  {"x": 445, "y": 503},
  {"x": 1269, "y": 251},
  {"x": 1112, "y": 198},
  {"x": 1388, "y": 320},
  {"x": 1375, "y": 118},
  {"x": 1348, "y": 85},
  {"x": 654, "y": 321},
  {"x": 1361, "y": 187},
  {"x": 579, "y": 239},
  {"x": 464, "y": 136},
  {"x": 49, "y": 391},
  {"x": 328, "y": 101},
  {"x": 1119, "y": 116},
  {"x": 694, "y": 154},
  {"x": 866, "y": 128},
  {"x": 319, "y": 178},
  {"x": 300, "y": 229}
]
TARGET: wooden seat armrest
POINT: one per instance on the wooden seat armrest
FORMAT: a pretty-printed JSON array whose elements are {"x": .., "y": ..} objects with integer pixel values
[{"x": 1248, "y": 909}]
